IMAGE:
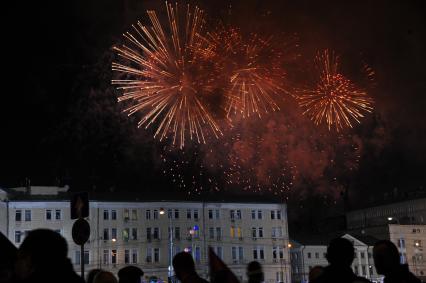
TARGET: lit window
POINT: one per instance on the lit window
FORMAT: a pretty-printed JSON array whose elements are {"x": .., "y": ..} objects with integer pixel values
[
  {"x": 126, "y": 232},
  {"x": 113, "y": 256}
]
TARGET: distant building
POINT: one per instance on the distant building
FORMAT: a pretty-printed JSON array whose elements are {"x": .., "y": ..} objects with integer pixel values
[
  {"x": 125, "y": 230},
  {"x": 411, "y": 241},
  {"x": 305, "y": 254},
  {"x": 375, "y": 220}
]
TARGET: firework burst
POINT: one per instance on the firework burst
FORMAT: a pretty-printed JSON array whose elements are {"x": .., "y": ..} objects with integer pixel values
[
  {"x": 252, "y": 68},
  {"x": 166, "y": 74},
  {"x": 335, "y": 100}
]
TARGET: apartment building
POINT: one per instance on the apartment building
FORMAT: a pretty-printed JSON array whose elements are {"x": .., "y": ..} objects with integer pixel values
[
  {"x": 410, "y": 240},
  {"x": 146, "y": 233},
  {"x": 306, "y": 254}
]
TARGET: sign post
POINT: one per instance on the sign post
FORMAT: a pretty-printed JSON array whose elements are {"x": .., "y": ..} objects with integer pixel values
[{"x": 80, "y": 228}]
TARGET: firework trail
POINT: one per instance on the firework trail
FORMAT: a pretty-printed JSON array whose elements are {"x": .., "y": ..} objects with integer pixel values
[
  {"x": 335, "y": 100},
  {"x": 166, "y": 74}
]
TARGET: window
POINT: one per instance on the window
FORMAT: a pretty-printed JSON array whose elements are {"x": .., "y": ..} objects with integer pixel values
[
  {"x": 217, "y": 212},
  {"x": 211, "y": 232},
  {"x": 148, "y": 214},
  {"x": 277, "y": 232},
  {"x": 114, "y": 214},
  {"x": 258, "y": 253},
  {"x": 278, "y": 214},
  {"x": 218, "y": 233},
  {"x": 272, "y": 214},
  {"x": 48, "y": 214},
  {"x": 58, "y": 214},
  {"x": 232, "y": 232},
  {"x": 401, "y": 243},
  {"x": 253, "y": 232},
  {"x": 113, "y": 256},
  {"x": 369, "y": 255},
  {"x": 257, "y": 233},
  {"x": 156, "y": 234},
  {"x": 362, "y": 255},
  {"x": 18, "y": 215},
  {"x": 148, "y": 233},
  {"x": 237, "y": 254},
  {"x": 188, "y": 214},
  {"x": 364, "y": 272},
  {"x": 149, "y": 255},
  {"x": 114, "y": 234},
  {"x": 106, "y": 257},
  {"x": 177, "y": 233},
  {"x": 134, "y": 256},
  {"x": 316, "y": 255},
  {"x": 86, "y": 257},
  {"x": 126, "y": 256},
  {"x": 260, "y": 232},
  {"x": 77, "y": 257},
  {"x": 277, "y": 252},
  {"x": 27, "y": 215},
  {"x": 126, "y": 232},
  {"x": 253, "y": 214},
  {"x": 235, "y": 214},
  {"x": 218, "y": 251},
  {"x": 18, "y": 236},
  {"x": 156, "y": 254},
  {"x": 106, "y": 234},
  {"x": 126, "y": 215},
  {"x": 195, "y": 213},
  {"x": 169, "y": 213},
  {"x": 155, "y": 214},
  {"x": 239, "y": 214},
  {"x": 134, "y": 214},
  {"x": 176, "y": 213},
  {"x": 134, "y": 233},
  {"x": 259, "y": 214},
  {"x": 106, "y": 215},
  {"x": 309, "y": 255},
  {"x": 210, "y": 214}
]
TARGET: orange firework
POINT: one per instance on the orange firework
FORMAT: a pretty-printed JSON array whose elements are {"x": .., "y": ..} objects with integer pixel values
[
  {"x": 335, "y": 100},
  {"x": 252, "y": 69},
  {"x": 166, "y": 75}
]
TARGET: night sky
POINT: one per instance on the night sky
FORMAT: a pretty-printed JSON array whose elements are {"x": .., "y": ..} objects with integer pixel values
[{"x": 60, "y": 123}]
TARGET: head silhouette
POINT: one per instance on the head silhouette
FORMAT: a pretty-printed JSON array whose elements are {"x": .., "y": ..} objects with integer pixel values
[
  {"x": 104, "y": 277},
  {"x": 183, "y": 264},
  {"x": 42, "y": 250},
  {"x": 340, "y": 252},
  {"x": 92, "y": 274},
  {"x": 130, "y": 274},
  {"x": 386, "y": 257},
  {"x": 254, "y": 272}
]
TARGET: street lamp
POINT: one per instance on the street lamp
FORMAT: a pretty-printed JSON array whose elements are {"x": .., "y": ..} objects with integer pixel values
[{"x": 170, "y": 268}]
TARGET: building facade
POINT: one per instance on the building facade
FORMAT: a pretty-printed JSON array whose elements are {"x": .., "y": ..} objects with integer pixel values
[
  {"x": 410, "y": 240},
  {"x": 307, "y": 254},
  {"x": 147, "y": 233},
  {"x": 375, "y": 220}
]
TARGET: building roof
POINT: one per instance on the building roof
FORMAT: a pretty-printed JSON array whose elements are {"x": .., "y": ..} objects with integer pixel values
[{"x": 26, "y": 194}]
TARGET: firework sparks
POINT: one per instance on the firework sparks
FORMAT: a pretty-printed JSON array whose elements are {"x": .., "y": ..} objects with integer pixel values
[
  {"x": 335, "y": 100},
  {"x": 165, "y": 76},
  {"x": 253, "y": 72}
]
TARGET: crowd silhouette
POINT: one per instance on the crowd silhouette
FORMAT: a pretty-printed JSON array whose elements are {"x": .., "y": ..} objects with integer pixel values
[{"x": 42, "y": 257}]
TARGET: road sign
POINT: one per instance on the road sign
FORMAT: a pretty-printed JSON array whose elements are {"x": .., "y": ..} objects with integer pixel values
[{"x": 80, "y": 231}]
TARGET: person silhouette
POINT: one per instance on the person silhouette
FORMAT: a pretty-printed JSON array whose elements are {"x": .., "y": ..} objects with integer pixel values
[
  {"x": 315, "y": 272},
  {"x": 254, "y": 272},
  {"x": 91, "y": 275},
  {"x": 387, "y": 261},
  {"x": 340, "y": 254},
  {"x": 104, "y": 277},
  {"x": 8, "y": 253},
  {"x": 130, "y": 274},
  {"x": 42, "y": 257},
  {"x": 184, "y": 267}
]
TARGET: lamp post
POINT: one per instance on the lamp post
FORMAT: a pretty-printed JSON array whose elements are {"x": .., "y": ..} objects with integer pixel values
[{"x": 170, "y": 267}]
